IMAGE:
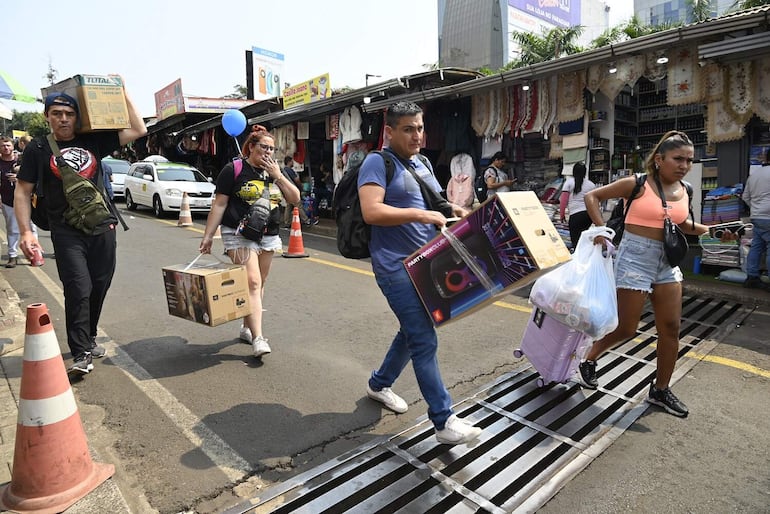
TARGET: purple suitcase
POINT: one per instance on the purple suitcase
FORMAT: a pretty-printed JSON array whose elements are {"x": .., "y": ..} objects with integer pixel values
[{"x": 554, "y": 349}]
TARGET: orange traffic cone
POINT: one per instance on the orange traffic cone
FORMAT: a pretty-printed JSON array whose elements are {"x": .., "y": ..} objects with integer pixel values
[
  {"x": 52, "y": 468},
  {"x": 296, "y": 246},
  {"x": 185, "y": 216}
]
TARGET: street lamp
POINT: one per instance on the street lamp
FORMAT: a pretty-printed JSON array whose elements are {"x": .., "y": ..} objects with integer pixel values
[{"x": 371, "y": 75}]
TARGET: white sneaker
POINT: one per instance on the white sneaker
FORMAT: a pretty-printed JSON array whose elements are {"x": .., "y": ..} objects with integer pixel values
[
  {"x": 246, "y": 334},
  {"x": 388, "y": 398},
  {"x": 457, "y": 431},
  {"x": 260, "y": 346}
]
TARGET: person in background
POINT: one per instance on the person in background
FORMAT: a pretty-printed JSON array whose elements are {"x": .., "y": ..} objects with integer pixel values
[
  {"x": 324, "y": 190},
  {"x": 572, "y": 194},
  {"x": 642, "y": 271},
  {"x": 496, "y": 178},
  {"x": 108, "y": 180},
  {"x": 756, "y": 194},
  {"x": 85, "y": 262},
  {"x": 233, "y": 197},
  {"x": 9, "y": 168},
  {"x": 290, "y": 174},
  {"x": 401, "y": 224}
]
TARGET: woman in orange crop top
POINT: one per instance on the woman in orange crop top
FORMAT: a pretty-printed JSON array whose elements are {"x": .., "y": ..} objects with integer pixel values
[{"x": 641, "y": 267}]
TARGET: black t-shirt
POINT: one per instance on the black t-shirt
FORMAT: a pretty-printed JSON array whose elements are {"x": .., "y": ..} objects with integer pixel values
[
  {"x": 244, "y": 191},
  {"x": 6, "y": 188},
  {"x": 83, "y": 153}
]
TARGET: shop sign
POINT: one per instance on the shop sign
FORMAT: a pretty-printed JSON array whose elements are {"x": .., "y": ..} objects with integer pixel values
[
  {"x": 169, "y": 100},
  {"x": 560, "y": 13},
  {"x": 308, "y": 91},
  {"x": 214, "y": 105},
  {"x": 269, "y": 67}
]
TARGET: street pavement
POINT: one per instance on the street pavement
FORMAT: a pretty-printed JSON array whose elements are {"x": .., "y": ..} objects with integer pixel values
[{"x": 107, "y": 497}]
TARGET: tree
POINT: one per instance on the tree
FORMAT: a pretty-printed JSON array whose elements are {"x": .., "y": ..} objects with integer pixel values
[
  {"x": 554, "y": 43},
  {"x": 239, "y": 92},
  {"x": 741, "y": 5},
  {"x": 698, "y": 10},
  {"x": 51, "y": 74},
  {"x": 32, "y": 122}
]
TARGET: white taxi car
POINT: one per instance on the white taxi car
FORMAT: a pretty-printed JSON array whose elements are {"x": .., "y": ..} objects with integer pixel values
[{"x": 157, "y": 183}]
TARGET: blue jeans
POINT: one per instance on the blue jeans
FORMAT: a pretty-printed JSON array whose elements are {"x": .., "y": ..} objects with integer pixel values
[
  {"x": 760, "y": 243},
  {"x": 417, "y": 341}
]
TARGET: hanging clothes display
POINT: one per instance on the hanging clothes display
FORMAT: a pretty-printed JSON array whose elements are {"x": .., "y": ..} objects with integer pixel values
[{"x": 350, "y": 124}]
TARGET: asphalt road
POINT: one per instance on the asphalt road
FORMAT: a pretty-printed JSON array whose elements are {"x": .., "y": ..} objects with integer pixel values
[{"x": 192, "y": 421}]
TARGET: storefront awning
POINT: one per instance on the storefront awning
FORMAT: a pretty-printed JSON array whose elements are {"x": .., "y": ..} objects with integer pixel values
[{"x": 710, "y": 30}]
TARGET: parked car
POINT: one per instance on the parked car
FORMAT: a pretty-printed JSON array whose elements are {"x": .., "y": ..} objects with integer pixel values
[
  {"x": 157, "y": 183},
  {"x": 119, "y": 169}
]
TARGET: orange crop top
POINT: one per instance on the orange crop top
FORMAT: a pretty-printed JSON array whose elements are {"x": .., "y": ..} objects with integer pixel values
[{"x": 647, "y": 210}]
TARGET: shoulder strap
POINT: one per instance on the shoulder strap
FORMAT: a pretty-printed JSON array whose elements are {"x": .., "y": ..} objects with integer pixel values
[
  {"x": 640, "y": 179},
  {"x": 238, "y": 167},
  {"x": 688, "y": 187}
]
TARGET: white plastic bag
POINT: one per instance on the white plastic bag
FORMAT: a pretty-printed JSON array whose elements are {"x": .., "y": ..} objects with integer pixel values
[{"x": 581, "y": 293}]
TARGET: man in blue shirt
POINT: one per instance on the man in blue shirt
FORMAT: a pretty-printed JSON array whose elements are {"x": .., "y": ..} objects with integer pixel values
[{"x": 401, "y": 224}]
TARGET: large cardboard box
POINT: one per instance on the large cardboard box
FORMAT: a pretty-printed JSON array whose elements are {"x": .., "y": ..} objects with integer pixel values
[
  {"x": 509, "y": 238},
  {"x": 210, "y": 294},
  {"x": 101, "y": 100}
]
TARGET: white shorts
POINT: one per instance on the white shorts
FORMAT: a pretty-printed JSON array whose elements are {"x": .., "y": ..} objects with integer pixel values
[{"x": 233, "y": 241}]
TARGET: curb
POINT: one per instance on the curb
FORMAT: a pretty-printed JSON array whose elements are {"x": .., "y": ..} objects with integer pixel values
[{"x": 12, "y": 319}]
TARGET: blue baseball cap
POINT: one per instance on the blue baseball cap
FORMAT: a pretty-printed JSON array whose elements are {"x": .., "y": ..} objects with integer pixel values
[{"x": 61, "y": 99}]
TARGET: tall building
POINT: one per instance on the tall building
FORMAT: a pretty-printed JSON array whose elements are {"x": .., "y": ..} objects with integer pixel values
[
  {"x": 477, "y": 33},
  {"x": 657, "y": 12}
]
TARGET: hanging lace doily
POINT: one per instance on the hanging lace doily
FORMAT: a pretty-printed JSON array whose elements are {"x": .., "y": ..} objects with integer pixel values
[
  {"x": 505, "y": 111},
  {"x": 557, "y": 150},
  {"x": 762, "y": 88},
  {"x": 684, "y": 77},
  {"x": 571, "y": 105},
  {"x": 653, "y": 71},
  {"x": 494, "y": 113},
  {"x": 479, "y": 112},
  {"x": 594, "y": 77},
  {"x": 713, "y": 82},
  {"x": 738, "y": 95},
  {"x": 630, "y": 68},
  {"x": 539, "y": 107},
  {"x": 551, "y": 85},
  {"x": 720, "y": 124}
]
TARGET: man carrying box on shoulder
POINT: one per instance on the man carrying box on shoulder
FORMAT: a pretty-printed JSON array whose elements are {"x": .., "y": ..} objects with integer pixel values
[
  {"x": 402, "y": 223},
  {"x": 85, "y": 261}
]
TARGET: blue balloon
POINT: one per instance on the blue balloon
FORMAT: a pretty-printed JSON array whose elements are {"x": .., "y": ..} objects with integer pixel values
[{"x": 234, "y": 122}]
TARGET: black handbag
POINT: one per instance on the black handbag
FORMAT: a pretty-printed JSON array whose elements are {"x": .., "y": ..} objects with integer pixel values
[{"x": 674, "y": 240}]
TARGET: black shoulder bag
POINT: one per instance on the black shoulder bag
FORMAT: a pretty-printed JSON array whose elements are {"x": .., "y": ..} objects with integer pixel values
[
  {"x": 674, "y": 240},
  {"x": 617, "y": 221}
]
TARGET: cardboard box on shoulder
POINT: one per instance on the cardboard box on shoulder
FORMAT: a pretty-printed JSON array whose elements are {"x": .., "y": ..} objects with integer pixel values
[
  {"x": 101, "y": 100},
  {"x": 509, "y": 238},
  {"x": 210, "y": 294}
]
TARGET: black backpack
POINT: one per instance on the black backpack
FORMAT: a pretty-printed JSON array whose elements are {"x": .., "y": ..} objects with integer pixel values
[
  {"x": 353, "y": 233},
  {"x": 480, "y": 187}
]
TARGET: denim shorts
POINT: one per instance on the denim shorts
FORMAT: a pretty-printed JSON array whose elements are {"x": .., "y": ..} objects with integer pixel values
[
  {"x": 233, "y": 241},
  {"x": 641, "y": 263}
]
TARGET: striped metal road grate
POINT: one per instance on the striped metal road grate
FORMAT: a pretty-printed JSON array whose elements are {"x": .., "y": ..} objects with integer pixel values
[{"x": 534, "y": 440}]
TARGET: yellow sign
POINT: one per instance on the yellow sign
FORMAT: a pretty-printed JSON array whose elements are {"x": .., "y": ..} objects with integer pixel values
[
  {"x": 308, "y": 91},
  {"x": 18, "y": 133}
]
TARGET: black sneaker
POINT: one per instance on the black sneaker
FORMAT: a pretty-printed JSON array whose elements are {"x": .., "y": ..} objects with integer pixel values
[
  {"x": 588, "y": 374},
  {"x": 83, "y": 364},
  {"x": 752, "y": 283},
  {"x": 666, "y": 399},
  {"x": 98, "y": 351}
]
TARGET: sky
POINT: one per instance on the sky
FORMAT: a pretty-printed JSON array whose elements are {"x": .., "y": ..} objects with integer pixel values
[{"x": 151, "y": 43}]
